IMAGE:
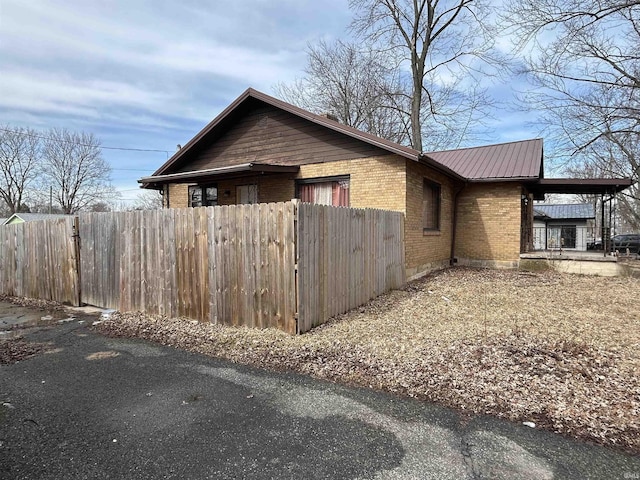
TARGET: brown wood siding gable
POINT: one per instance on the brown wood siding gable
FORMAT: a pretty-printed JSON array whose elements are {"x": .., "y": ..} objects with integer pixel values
[{"x": 266, "y": 134}]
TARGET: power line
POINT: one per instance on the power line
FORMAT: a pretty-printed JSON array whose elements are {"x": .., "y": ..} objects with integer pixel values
[
  {"x": 167, "y": 152},
  {"x": 131, "y": 169}
]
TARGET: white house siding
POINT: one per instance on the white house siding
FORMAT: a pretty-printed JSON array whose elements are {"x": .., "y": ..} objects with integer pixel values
[
  {"x": 539, "y": 234},
  {"x": 558, "y": 238}
]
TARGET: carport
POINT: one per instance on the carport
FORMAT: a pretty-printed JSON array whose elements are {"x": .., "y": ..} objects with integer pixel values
[{"x": 604, "y": 188}]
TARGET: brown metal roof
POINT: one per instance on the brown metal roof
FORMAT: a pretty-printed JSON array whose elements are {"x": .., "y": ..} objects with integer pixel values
[{"x": 506, "y": 161}]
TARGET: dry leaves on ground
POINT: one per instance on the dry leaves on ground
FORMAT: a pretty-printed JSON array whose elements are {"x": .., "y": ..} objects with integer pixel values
[
  {"x": 38, "y": 304},
  {"x": 17, "y": 349}
]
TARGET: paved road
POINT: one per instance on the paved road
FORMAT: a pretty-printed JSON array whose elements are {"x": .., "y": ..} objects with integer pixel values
[{"x": 99, "y": 408}]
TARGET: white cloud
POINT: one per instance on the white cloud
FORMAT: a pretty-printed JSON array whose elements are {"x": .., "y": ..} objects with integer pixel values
[{"x": 66, "y": 95}]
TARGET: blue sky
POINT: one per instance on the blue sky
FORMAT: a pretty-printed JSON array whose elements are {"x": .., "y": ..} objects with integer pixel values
[{"x": 151, "y": 74}]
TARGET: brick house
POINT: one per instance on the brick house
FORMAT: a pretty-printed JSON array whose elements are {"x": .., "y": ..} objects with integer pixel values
[{"x": 468, "y": 206}]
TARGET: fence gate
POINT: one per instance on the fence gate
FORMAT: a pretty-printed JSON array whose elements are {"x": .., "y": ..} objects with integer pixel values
[
  {"x": 40, "y": 260},
  {"x": 288, "y": 265}
]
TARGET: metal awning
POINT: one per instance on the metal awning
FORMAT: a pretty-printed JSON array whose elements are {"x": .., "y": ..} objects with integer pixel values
[
  {"x": 602, "y": 186},
  {"x": 240, "y": 170}
]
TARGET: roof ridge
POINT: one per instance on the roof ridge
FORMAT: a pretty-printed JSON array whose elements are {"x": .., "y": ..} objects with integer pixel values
[
  {"x": 560, "y": 204},
  {"x": 483, "y": 146}
]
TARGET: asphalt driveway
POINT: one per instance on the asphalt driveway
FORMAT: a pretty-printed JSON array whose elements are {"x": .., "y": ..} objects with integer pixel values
[{"x": 95, "y": 407}]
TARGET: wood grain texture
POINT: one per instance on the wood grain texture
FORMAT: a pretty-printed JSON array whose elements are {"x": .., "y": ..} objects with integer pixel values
[
  {"x": 345, "y": 257},
  {"x": 39, "y": 260},
  {"x": 268, "y": 134},
  {"x": 288, "y": 265}
]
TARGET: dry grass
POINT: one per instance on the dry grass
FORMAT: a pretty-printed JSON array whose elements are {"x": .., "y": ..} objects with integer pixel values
[{"x": 559, "y": 350}]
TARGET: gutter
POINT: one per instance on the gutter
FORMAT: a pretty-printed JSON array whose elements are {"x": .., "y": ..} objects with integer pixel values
[
  {"x": 456, "y": 195},
  {"x": 195, "y": 174}
]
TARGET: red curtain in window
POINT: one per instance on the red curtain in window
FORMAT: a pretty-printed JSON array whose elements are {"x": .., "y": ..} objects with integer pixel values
[
  {"x": 306, "y": 192},
  {"x": 325, "y": 193},
  {"x": 340, "y": 194}
]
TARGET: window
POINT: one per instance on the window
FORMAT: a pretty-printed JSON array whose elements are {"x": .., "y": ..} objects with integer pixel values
[
  {"x": 246, "y": 194},
  {"x": 561, "y": 236},
  {"x": 325, "y": 191},
  {"x": 200, "y": 196},
  {"x": 430, "y": 206}
]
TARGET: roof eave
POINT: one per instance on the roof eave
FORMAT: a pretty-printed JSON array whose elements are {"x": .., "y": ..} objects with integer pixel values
[
  {"x": 503, "y": 179},
  {"x": 155, "y": 180},
  {"x": 221, "y": 116}
]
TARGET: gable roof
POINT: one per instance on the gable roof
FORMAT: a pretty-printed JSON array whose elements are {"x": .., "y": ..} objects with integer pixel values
[
  {"x": 505, "y": 162},
  {"x": 521, "y": 160},
  {"x": 33, "y": 217},
  {"x": 567, "y": 211},
  {"x": 217, "y": 123}
]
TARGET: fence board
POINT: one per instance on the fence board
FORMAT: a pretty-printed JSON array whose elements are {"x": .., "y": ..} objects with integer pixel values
[
  {"x": 253, "y": 265},
  {"x": 38, "y": 260},
  {"x": 345, "y": 258}
]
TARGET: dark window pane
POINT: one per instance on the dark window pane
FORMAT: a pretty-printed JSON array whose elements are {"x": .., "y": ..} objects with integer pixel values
[
  {"x": 195, "y": 196},
  {"x": 430, "y": 206},
  {"x": 210, "y": 196}
]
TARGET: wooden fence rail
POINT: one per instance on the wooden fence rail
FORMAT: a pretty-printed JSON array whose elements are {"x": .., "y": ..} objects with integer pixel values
[{"x": 285, "y": 265}]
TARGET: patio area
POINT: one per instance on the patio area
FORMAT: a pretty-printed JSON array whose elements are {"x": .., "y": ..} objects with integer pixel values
[{"x": 556, "y": 254}]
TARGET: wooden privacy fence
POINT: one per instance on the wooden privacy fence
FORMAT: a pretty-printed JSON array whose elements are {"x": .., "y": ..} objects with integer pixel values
[
  {"x": 233, "y": 265},
  {"x": 285, "y": 265},
  {"x": 39, "y": 260},
  {"x": 346, "y": 257}
]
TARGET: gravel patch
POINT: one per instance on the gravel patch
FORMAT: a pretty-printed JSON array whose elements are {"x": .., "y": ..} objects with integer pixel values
[{"x": 561, "y": 351}]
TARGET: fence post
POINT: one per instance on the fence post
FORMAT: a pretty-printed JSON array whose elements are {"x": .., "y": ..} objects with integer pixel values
[
  {"x": 296, "y": 259},
  {"x": 76, "y": 263}
]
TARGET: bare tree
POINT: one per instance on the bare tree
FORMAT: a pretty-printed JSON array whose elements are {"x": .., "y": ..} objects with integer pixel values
[
  {"x": 355, "y": 85},
  {"x": 148, "y": 200},
  {"x": 19, "y": 163},
  {"x": 444, "y": 45},
  {"x": 100, "y": 207},
  {"x": 74, "y": 166},
  {"x": 583, "y": 59}
]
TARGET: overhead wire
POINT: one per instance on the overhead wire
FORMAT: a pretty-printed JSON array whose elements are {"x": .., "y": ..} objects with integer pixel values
[{"x": 130, "y": 149}]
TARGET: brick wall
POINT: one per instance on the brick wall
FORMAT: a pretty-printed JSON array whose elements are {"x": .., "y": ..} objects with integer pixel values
[
  {"x": 376, "y": 182},
  {"x": 488, "y": 232},
  {"x": 489, "y": 215},
  {"x": 178, "y": 196},
  {"x": 426, "y": 251}
]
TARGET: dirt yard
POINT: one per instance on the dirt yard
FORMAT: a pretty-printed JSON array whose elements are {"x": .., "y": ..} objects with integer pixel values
[{"x": 558, "y": 350}]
